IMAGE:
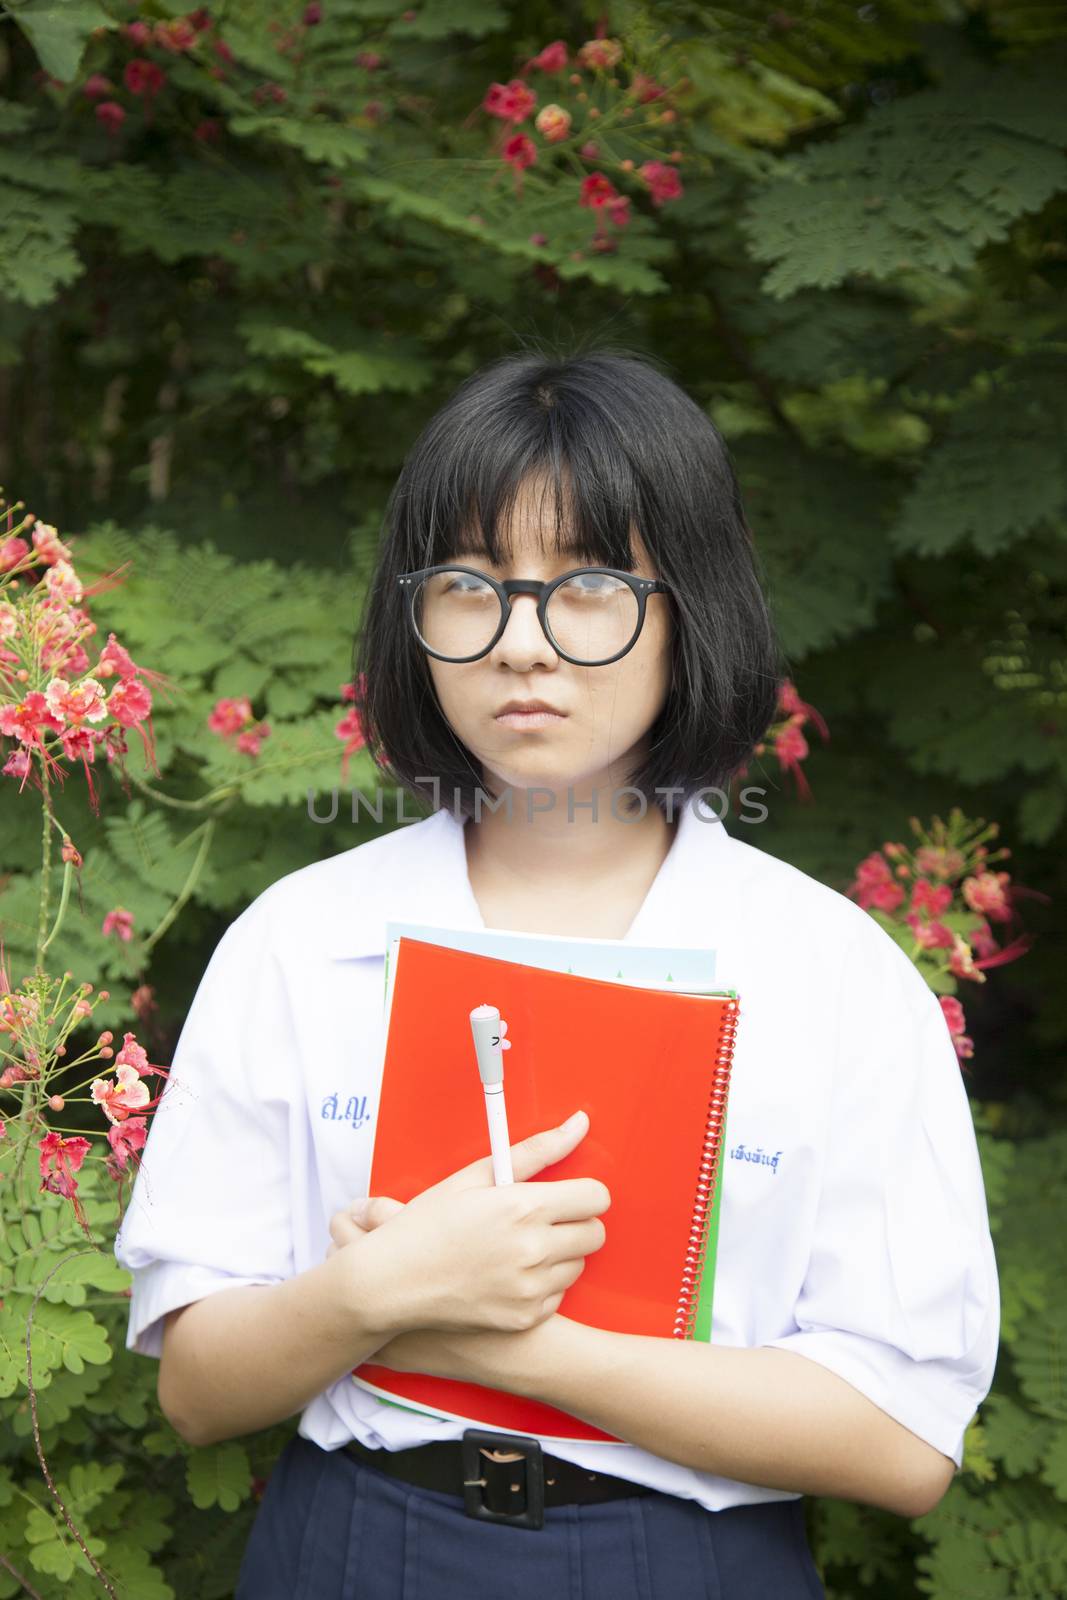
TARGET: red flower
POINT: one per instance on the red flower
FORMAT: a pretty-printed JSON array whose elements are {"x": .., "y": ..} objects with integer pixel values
[
  {"x": 143, "y": 77},
  {"x": 59, "y": 1160},
  {"x": 598, "y": 191},
  {"x": 111, "y": 114},
  {"x": 519, "y": 152},
  {"x": 553, "y": 58},
  {"x": 646, "y": 89},
  {"x": 512, "y": 102},
  {"x": 663, "y": 181}
]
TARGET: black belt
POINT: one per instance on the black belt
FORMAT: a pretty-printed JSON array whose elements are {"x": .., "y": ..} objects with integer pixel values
[{"x": 515, "y": 1491}]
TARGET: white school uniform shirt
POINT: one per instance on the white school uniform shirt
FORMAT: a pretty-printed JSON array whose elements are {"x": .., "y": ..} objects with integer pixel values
[{"x": 853, "y": 1227}]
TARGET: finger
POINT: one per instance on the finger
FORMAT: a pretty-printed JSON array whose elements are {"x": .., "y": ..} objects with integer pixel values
[
  {"x": 566, "y": 1240},
  {"x": 374, "y": 1211},
  {"x": 528, "y": 1156},
  {"x": 570, "y": 1199}
]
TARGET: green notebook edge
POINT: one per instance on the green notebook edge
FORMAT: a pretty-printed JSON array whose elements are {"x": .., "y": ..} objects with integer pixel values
[{"x": 706, "y": 1295}]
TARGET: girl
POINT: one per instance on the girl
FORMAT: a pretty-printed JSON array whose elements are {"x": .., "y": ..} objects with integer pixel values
[{"x": 567, "y": 655}]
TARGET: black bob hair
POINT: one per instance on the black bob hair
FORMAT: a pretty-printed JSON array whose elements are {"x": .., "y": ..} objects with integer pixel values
[{"x": 621, "y": 445}]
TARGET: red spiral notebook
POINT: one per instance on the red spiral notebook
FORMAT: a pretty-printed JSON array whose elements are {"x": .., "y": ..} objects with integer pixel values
[{"x": 652, "y": 1069}]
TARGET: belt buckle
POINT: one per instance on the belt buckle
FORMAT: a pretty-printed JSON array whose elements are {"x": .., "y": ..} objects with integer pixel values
[{"x": 475, "y": 1481}]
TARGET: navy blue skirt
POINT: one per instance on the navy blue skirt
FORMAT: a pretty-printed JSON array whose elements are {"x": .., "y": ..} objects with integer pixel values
[{"x": 330, "y": 1528}]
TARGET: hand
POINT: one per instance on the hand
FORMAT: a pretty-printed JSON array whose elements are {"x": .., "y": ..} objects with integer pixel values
[{"x": 467, "y": 1255}]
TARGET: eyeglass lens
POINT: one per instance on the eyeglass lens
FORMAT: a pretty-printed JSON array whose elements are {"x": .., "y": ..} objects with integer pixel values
[{"x": 592, "y": 615}]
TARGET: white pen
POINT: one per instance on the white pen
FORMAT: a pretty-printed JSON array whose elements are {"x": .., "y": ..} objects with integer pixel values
[{"x": 487, "y": 1031}]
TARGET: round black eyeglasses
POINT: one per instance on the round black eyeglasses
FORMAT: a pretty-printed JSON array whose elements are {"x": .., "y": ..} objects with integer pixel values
[{"x": 590, "y": 616}]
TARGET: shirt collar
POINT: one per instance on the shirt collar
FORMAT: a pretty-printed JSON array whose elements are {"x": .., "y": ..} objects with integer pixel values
[{"x": 419, "y": 874}]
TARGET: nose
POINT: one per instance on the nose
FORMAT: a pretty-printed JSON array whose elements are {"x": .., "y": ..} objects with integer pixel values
[{"x": 523, "y": 643}]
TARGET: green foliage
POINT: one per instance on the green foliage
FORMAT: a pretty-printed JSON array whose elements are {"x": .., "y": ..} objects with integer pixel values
[{"x": 872, "y": 202}]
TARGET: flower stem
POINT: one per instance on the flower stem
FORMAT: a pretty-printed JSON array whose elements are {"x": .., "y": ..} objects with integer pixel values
[
  {"x": 46, "y": 871},
  {"x": 68, "y": 872},
  {"x": 208, "y": 830}
]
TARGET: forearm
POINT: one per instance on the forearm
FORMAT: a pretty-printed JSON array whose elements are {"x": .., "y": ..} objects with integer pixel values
[
  {"x": 760, "y": 1416},
  {"x": 243, "y": 1359}
]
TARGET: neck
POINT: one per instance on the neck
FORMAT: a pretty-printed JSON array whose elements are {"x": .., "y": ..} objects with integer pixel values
[{"x": 545, "y": 846}]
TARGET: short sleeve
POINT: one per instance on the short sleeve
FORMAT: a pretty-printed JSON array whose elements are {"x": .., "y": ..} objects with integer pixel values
[
  {"x": 210, "y": 1206},
  {"x": 901, "y": 1294}
]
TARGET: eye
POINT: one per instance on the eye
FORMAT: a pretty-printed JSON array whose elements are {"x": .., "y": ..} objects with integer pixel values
[{"x": 591, "y": 585}]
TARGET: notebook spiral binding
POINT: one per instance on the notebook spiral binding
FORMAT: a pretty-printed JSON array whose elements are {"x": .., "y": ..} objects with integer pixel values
[{"x": 710, "y": 1174}]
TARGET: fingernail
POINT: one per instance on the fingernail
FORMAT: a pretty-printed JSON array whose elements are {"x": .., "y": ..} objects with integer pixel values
[{"x": 573, "y": 1121}]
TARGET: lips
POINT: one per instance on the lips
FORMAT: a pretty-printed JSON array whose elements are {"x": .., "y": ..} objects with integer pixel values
[{"x": 523, "y": 707}]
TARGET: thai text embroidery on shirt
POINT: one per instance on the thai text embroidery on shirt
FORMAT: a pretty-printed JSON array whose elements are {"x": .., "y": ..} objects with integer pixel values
[
  {"x": 741, "y": 1154},
  {"x": 355, "y": 1110}
]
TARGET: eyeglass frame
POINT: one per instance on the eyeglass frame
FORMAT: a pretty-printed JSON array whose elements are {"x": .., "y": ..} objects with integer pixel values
[{"x": 640, "y": 587}]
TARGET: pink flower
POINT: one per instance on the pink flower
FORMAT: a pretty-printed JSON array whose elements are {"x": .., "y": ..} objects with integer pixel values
[
  {"x": 84, "y": 703},
  {"x": 987, "y": 893},
  {"x": 790, "y": 704},
  {"x": 229, "y": 716},
  {"x": 63, "y": 583},
  {"x": 512, "y": 101},
  {"x": 646, "y": 89},
  {"x": 553, "y": 123},
  {"x": 114, "y": 659},
  {"x": 129, "y": 702},
  {"x": 663, "y": 181},
  {"x": 874, "y": 885},
  {"x": 126, "y": 1138},
  {"x": 119, "y": 922},
  {"x": 48, "y": 544},
  {"x": 25, "y": 719},
  {"x": 139, "y": 32},
  {"x": 13, "y": 551},
  {"x": 957, "y": 1023},
  {"x": 249, "y": 742},
  {"x": 619, "y": 211},
  {"x": 553, "y": 58},
  {"x": 934, "y": 899},
  {"x": 791, "y": 748},
  {"x": 369, "y": 60},
  {"x": 133, "y": 1055},
  {"x": 120, "y": 1095},
  {"x": 938, "y": 861},
  {"x": 176, "y": 35},
  {"x": 930, "y": 935},
  {"x": 96, "y": 85},
  {"x": 601, "y": 54}
]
